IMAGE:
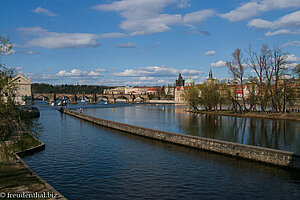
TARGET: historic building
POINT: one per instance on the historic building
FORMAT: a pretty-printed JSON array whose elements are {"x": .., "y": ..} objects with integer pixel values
[
  {"x": 23, "y": 94},
  {"x": 189, "y": 82},
  {"x": 210, "y": 80},
  {"x": 180, "y": 81},
  {"x": 180, "y": 88}
]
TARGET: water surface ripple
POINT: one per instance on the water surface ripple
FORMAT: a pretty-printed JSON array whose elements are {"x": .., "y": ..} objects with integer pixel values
[{"x": 84, "y": 161}]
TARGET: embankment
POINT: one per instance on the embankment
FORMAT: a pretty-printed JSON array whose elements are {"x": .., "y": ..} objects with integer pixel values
[
  {"x": 18, "y": 178},
  {"x": 270, "y": 156},
  {"x": 276, "y": 116}
]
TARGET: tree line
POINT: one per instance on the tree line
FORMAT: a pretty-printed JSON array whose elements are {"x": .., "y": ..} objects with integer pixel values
[
  {"x": 274, "y": 84},
  {"x": 67, "y": 89}
]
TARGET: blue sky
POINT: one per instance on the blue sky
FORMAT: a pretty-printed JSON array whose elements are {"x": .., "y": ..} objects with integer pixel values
[{"x": 141, "y": 42}]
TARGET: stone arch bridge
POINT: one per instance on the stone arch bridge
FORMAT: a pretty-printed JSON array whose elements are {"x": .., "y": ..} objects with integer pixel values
[{"x": 93, "y": 98}]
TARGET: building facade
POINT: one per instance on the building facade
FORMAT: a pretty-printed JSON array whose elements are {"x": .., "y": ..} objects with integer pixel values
[{"x": 23, "y": 93}]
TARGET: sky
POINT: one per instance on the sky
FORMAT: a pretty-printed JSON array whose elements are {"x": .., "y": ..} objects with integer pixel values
[{"x": 142, "y": 42}]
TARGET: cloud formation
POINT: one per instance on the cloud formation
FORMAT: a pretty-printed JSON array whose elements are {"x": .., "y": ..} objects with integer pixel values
[
  {"x": 127, "y": 45},
  {"x": 292, "y": 58},
  {"x": 40, "y": 10},
  {"x": 199, "y": 16},
  {"x": 288, "y": 24},
  {"x": 293, "y": 43},
  {"x": 210, "y": 53},
  {"x": 255, "y": 7},
  {"x": 281, "y": 31},
  {"x": 143, "y": 17},
  {"x": 53, "y": 40},
  {"x": 156, "y": 71},
  {"x": 77, "y": 73},
  {"x": 220, "y": 63},
  {"x": 291, "y": 20}
]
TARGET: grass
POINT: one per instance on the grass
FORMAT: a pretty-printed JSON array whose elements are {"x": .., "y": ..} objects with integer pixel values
[
  {"x": 26, "y": 141},
  {"x": 14, "y": 176}
]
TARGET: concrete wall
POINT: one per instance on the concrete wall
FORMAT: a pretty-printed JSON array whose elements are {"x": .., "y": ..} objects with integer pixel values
[
  {"x": 161, "y": 101},
  {"x": 271, "y": 156}
]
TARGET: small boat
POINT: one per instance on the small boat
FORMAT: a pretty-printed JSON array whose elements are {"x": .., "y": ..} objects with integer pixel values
[
  {"x": 59, "y": 103},
  {"x": 52, "y": 104}
]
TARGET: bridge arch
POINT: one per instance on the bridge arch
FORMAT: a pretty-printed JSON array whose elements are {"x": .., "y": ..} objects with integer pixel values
[
  {"x": 121, "y": 98},
  {"x": 139, "y": 99},
  {"x": 102, "y": 97}
]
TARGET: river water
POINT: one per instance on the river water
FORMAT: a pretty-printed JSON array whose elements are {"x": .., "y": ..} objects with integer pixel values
[{"x": 85, "y": 161}]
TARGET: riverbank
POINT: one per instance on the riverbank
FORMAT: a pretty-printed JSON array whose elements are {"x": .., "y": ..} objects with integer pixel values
[
  {"x": 18, "y": 180},
  {"x": 277, "y": 116}
]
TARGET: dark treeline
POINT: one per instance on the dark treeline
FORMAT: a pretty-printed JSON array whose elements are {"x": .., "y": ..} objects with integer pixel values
[{"x": 67, "y": 89}]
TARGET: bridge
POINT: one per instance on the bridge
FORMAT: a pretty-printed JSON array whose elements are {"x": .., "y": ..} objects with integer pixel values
[{"x": 92, "y": 98}]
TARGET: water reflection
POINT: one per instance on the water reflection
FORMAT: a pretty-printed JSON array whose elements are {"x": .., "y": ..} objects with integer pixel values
[
  {"x": 84, "y": 161},
  {"x": 276, "y": 134}
]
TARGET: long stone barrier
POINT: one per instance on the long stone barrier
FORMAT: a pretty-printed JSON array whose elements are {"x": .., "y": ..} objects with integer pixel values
[{"x": 260, "y": 154}]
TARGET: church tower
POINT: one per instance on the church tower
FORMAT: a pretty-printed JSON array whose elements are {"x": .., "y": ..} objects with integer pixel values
[
  {"x": 180, "y": 81},
  {"x": 210, "y": 80}
]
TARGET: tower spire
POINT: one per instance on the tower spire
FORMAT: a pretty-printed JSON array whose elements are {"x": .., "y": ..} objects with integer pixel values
[{"x": 210, "y": 74}]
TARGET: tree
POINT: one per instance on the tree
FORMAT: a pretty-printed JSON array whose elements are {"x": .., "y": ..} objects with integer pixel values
[
  {"x": 210, "y": 96},
  {"x": 296, "y": 71},
  {"x": 237, "y": 69},
  {"x": 12, "y": 126},
  {"x": 259, "y": 63},
  {"x": 191, "y": 95}
]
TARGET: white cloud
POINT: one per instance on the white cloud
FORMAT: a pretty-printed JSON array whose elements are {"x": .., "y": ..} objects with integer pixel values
[
  {"x": 291, "y": 20},
  {"x": 53, "y": 40},
  {"x": 101, "y": 70},
  {"x": 210, "y": 53},
  {"x": 127, "y": 45},
  {"x": 199, "y": 16},
  {"x": 292, "y": 58},
  {"x": 145, "y": 17},
  {"x": 220, "y": 63},
  {"x": 184, "y": 3},
  {"x": 293, "y": 43},
  {"x": 40, "y": 10},
  {"x": 288, "y": 24},
  {"x": 156, "y": 71},
  {"x": 77, "y": 73},
  {"x": 281, "y": 31},
  {"x": 253, "y": 8}
]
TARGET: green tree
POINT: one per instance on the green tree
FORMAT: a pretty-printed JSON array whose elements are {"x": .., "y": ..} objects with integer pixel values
[
  {"x": 210, "y": 96},
  {"x": 12, "y": 126},
  {"x": 191, "y": 95}
]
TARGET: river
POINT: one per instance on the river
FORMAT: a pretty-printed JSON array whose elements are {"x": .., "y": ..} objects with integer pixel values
[{"x": 85, "y": 161}]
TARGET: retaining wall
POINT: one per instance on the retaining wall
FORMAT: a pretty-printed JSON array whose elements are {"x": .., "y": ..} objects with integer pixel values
[{"x": 271, "y": 156}]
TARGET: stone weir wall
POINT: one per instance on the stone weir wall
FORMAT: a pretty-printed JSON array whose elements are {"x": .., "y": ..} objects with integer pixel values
[{"x": 270, "y": 156}]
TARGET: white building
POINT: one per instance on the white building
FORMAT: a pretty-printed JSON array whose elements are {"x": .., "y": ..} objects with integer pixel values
[{"x": 23, "y": 94}]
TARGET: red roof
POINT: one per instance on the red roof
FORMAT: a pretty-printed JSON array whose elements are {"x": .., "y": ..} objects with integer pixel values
[
  {"x": 152, "y": 89},
  {"x": 179, "y": 87}
]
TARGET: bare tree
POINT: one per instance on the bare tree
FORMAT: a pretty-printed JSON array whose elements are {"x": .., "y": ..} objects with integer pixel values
[
  {"x": 259, "y": 63},
  {"x": 274, "y": 72},
  {"x": 237, "y": 69}
]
